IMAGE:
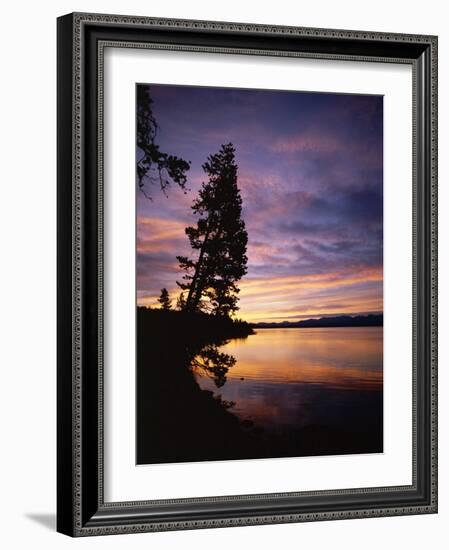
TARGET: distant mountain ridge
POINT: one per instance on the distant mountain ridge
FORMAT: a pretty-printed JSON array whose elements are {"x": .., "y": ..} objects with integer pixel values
[{"x": 371, "y": 320}]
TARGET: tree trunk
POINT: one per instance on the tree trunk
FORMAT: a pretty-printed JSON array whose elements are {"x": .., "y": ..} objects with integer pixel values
[
  {"x": 192, "y": 289},
  {"x": 194, "y": 295}
]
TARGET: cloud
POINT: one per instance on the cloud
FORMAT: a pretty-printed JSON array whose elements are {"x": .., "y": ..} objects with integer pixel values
[
  {"x": 306, "y": 143},
  {"x": 158, "y": 234}
]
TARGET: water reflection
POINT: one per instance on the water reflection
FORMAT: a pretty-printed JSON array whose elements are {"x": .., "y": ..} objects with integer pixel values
[
  {"x": 284, "y": 378},
  {"x": 213, "y": 363}
]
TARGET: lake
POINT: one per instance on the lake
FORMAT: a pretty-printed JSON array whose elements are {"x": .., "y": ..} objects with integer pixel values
[{"x": 306, "y": 378}]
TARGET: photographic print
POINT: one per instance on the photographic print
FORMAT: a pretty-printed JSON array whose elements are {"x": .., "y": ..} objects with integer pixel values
[{"x": 259, "y": 260}]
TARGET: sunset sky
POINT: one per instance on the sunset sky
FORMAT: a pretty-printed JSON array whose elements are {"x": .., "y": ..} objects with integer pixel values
[{"x": 310, "y": 175}]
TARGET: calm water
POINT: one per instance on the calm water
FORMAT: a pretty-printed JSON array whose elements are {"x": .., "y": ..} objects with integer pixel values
[{"x": 285, "y": 378}]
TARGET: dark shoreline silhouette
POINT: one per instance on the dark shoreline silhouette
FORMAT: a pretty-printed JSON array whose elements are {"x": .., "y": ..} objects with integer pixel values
[
  {"x": 177, "y": 421},
  {"x": 328, "y": 322}
]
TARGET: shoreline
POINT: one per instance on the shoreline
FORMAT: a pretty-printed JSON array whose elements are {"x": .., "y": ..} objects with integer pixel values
[{"x": 334, "y": 321}]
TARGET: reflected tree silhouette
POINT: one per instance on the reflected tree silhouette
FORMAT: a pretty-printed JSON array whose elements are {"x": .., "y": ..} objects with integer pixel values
[{"x": 214, "y": 363}]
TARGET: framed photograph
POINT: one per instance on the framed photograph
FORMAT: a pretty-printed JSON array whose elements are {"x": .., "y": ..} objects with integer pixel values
[{"x": 247, "y": 278}]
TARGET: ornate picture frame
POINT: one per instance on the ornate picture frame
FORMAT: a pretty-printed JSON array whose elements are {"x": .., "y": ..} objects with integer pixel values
[{"x": 81, "y": 507}]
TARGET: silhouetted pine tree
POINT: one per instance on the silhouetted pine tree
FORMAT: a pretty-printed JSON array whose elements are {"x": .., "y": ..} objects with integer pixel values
[
  {"x": 164, "y": 300},
  {"x": 181, "y": 302},
  {"x": 220, "y": 238},
  {"x": 153, "y": 165}
]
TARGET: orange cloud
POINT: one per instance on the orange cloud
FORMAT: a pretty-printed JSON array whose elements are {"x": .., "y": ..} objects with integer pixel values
[
  {"x": 306, "y": 282},
  {"x": 156, "y": 234},
  {"x": 311, "y": 295}
]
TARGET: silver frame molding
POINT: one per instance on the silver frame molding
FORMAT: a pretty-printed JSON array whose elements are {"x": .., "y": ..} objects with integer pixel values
[{"x": 81, "y": 42}]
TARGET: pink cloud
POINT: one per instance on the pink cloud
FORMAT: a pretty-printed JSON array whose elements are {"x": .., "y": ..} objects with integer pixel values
[{"x": 306, "y": 143}]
